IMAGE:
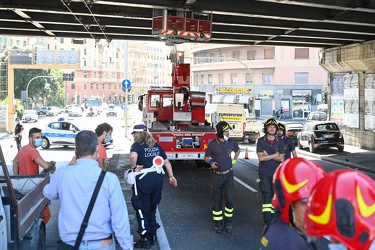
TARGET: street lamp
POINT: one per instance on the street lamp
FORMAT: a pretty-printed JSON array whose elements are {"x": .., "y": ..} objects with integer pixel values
[{"x": 27, "y": 87}]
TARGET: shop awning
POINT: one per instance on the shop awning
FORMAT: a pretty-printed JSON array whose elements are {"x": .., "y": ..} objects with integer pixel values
[
  {"x": 230, "y": 99},
  {"x": 244, "y": 99},
  {"x": 217, "y": 98}
]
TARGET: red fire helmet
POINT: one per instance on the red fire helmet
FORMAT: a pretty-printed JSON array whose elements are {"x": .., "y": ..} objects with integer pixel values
[
  {"x": 342, "y": 205},
  {"x": 293, "y": 180}
]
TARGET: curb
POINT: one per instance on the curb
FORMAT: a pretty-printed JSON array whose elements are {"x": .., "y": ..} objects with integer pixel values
[{"x": 334, "y": 160}]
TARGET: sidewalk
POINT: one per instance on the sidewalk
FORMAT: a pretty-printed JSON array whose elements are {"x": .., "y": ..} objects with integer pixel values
[{"x": 352, "y": 157}]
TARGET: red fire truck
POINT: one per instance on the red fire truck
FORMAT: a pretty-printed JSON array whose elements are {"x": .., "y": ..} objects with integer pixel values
[{"x": 175, "y": 116}]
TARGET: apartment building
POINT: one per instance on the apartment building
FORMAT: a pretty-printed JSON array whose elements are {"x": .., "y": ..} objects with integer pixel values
[{"x": 278, "y": 77}]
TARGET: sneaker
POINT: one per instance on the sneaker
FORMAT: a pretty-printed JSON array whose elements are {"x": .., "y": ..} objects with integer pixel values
[
  {"x": 143, "y": 243},
  {"x": 218, "y": 229},
  {"x": 153, "y": 239}
]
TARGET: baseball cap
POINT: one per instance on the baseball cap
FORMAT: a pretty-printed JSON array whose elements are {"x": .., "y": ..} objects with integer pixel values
[{"x": 139, "y": 128}]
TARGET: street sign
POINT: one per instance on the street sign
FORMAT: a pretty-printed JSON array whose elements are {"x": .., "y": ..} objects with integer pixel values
[
  {"x": 126, "y": 84},
  {"x": 123, "y": 106}
]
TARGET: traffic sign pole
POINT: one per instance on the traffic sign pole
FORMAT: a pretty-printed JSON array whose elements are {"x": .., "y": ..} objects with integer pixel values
[{"x": 126, "y": 112}]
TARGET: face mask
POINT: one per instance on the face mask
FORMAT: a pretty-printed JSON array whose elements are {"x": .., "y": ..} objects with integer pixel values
[
  {"x": 226, "y": 138},
  {"x": 336, "y": 246},
  {"x": 108, "y": 139},
  {"x": 38, "y": 142}
]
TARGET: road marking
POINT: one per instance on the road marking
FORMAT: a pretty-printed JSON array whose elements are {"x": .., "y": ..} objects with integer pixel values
[{"x": 245, "y": 185}]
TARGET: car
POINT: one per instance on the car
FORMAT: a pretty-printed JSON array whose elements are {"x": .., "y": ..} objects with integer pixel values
[
  {"x": 30, "y": 115},
  {"x": 76, "y": 111},
  {"x": 52, "y": 111},
  {"x": 60, "y": 133},
  {"x": 292, "y": 129},
  {"x": 42, "y": 110},
  {"x": 317, "y": 116},
  {"x": 111, "y": 110},
  {"x": 320, "y": 134}
]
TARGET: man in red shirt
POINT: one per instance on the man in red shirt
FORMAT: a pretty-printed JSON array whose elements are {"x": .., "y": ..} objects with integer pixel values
[
  {"x": 28, "y": 160},
  {"x": 104, "y": 133}
]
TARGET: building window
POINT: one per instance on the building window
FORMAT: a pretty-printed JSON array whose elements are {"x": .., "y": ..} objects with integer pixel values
[
  {"x": 202, "y": 79},
  {"x": 94, "y": 74},
  {"x": 221, "y": 78},
  {"x": 109, "y": 86},
  {"x": 84, "y": 63},
  {"x": 97, "y": 86},
  {"x": 211, "y": 59},
  {"x": 301, "y": 78},
  {"x": 251, "y": 55},
  {"x": 268, "y": 54},
  {"x": 302, "y": 53},
  {"x": 236, "y": 55},
  {"x": 248, "y": 78},
  {"x": 84, "y": 86},
  {"x": 266, "y": 78},
  {"x": 222, "y": 55},
  {"x": 61, "y": 40},
  {"x": 196, "y": 79},
  {"x": 209, "y": 78},
  {"x": 73, "y": 86},
  {"x": 102, "y": 85},
  {"x": 233, "y": 78},
  {"x": 91, "y": 86}
]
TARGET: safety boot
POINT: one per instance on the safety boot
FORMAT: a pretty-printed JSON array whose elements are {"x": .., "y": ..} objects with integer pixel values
[
  {"x": 143, "y": 243},
  {"x": 218, "y": 227},
  {"x": 153, "y": 239}
]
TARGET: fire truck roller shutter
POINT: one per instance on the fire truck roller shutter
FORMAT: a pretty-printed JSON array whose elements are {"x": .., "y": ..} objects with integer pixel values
[{"x": 198, "y": 99}]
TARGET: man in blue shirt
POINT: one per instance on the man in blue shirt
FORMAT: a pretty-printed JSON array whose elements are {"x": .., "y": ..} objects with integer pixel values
[
  {"x": 270, "y": 151},
  {"x": 74, "y": 186},
  {"x": 289, "y": 147},
  {"x": 218, "y": 156}
]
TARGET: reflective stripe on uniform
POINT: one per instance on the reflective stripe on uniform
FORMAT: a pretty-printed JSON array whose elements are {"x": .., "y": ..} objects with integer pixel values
[
  {"x": 218, "y": 215},
  {"x": 267, "y": 208},
  {"x": 228, "y": 212}
]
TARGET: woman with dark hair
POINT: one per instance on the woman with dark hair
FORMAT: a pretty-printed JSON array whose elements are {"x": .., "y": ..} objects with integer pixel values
[{"x": 148, "y": 183}]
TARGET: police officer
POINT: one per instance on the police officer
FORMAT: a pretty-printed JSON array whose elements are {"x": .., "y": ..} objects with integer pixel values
[
  {"x": 341, "y": 206},
  {"x": 270, "y": 151},
  {"x": 218, "y": 156},
  {"x": 289, "y": 147},
  {"x": 148, "y": 186},
  {"x": 293, "y": 182}
]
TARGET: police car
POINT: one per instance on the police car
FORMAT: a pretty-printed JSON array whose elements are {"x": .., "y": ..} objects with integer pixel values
[{"x": 60, "y": 133}]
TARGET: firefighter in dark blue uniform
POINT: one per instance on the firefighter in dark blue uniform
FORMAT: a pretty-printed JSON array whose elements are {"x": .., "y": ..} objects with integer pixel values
[
  {"x": 270, "y": 151},
  {"x": 289, "y": 147},
  {"x": 218, "y": 156},
  {"x": 293, "y": 182},
  {"x": 148, "y": 184}
]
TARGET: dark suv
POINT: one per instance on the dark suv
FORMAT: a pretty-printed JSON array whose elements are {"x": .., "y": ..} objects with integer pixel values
[{"x": 317, "y": 134}]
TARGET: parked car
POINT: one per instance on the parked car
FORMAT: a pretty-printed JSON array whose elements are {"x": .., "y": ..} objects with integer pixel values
[
  {"x": 30, "y": 115},
  {"x": 76, "y": 111},
  {"x": 318, "y": 134},
  {"x": 60, "y": 133},
  {"x": 317, "y": 116},
  {"x": 111, "y": 110},
  {"x": 292, "y": 129},
  {"x": 42, "y": 111},
  {"x": 52, "y": 111}
]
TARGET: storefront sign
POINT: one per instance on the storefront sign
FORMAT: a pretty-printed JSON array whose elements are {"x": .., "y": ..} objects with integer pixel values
[
  {"x": 266, "y": 93},
  {"x": 301, "y": 92},
  {"x": 233, "y": 90}
]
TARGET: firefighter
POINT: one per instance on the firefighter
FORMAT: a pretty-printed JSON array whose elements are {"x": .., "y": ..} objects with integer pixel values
[
  {"x": 148, "y": 184},
  {"x": 293, "y": 181},
  {"x": 270, "y": 151},
  {"x": 341, "y": 206},
  {"x": 289, "y": 147},
  {"x": 218, "y": 156}
]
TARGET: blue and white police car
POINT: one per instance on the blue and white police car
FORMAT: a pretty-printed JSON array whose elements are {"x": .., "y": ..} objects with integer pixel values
[{"x": 61, "y": 133}]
